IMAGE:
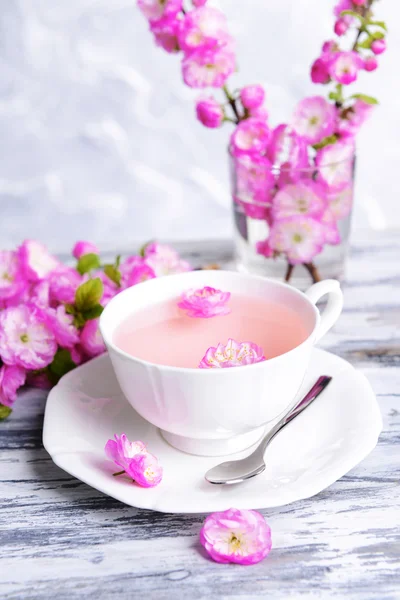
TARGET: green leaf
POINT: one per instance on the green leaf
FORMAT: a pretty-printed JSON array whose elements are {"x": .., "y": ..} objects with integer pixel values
[
  {"x": 87, "y": 263},
  {"x": 79, "y": 320},
  {"x": 93, "y": 313},
  {"x": 143, "y": 248},
  {"x": 112, "y": 273},
  {"x": 380, "y": 24},
  {"x": 353, "y": 14},
  {"x": 88, "y": 294},
  {"x": 365, "y": 98},
  {"x": 377, "y": 35},
  {"x": 62, "y": 364},
  {"x": 366, "y": 44},
  {"x": 5, "y": 411}
]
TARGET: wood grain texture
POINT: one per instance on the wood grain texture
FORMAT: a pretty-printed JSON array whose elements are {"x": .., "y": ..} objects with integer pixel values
[{"x": 60, "y": 539}]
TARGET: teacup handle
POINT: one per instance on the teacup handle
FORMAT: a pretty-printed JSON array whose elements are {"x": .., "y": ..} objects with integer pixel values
[{"x": 334, "y": 307}]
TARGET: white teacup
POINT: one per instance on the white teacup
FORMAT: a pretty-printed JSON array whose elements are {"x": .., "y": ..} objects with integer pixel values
[{"x": 213, "y": 412}]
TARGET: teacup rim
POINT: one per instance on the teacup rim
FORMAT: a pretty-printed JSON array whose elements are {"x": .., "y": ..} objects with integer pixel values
[{"x": 155, "y": 281}]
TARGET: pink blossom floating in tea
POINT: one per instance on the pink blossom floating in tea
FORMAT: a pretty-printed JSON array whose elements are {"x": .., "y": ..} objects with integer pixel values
[
  {"x": 236, "y": 536},
  {"x": 135, "y": 461},
  {"x": 234, "y": 354},
  {"x": 205, "y": 302}
]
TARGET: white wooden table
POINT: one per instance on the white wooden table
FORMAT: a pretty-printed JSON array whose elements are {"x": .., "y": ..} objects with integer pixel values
[{"x": 60, "y": 539}]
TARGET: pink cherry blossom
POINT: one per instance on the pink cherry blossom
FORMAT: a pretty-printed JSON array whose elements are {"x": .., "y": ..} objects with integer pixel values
[
  {"x": 209, "y": 112},
  {"x": 82, "y": 248},
  {"x": 91, "y": 340},
  {"x": 251, "y": 136},
  {"x": 329, "y": 46},
  {"x": 41, "y": 294},
  {"x": 351, "y": 119},
  {"x": 341, "y": 202},
  {"x": 198, "y": 3},
  {"x": 259, "y": 113},
  {"x": 36, "y": 261},
  {"x": 11, "y": 379},
  {"x": 166, "y": 32},
  {"x": 370, "y": 64},
  {"x": 77, "y": 354},
  {"x": 64, "y": 282},
  {"x": 145, "y": 470},
  {"x": 62, "y": 327},
  {"x": 264, "y": 249},
  {"x": 303, "y": 198},
  {"x": 236, "y": 536},
  {"x": 252, "y": 96},
  {"x": 320, "y": 69},
  {"x": 233, "y": 354},
  {"x": 345, "y": 66},
  {"x": 331, "y": 231},
  {"x": 314, "y": 119},
  {"x": 25, "y": 339},
  {"x": 139, "y": 273},
  {"x": 287, "y": 147},
  {"x": 121, "y": 450},
  {"x": 299, "y": 238},
  {"x": 208, "y": 67},
  {"x": 164, "y": 260},
  {"x": 341, "y": 26},
  {"x": 156, "y": 9},
  {"x": 335, "y": 163},
  {"x": 202, "y": 27},
  {"x": 205, "y": 302},
  {"x": 12, "y": 282},
  {"x": 254, "y": 182},
  {"x": 341, "y": 6},
  {"x": 378, "y": 46}
]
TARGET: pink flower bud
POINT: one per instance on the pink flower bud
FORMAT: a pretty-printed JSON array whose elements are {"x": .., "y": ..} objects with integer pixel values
[
  {"x": 341, "y": 27},
  {"x": 82, "y": 248},
  {"x": 378, "y": 46},
  {"x": 209, "y": 112},
  {"x": 320, "y": 70},
  {"x": 370, "y": 64},
  {"x": 252, "y": 96}
]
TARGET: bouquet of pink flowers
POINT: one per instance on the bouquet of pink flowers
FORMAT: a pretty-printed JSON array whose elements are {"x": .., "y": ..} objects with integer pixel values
[
  {"x": 297, "y": 176},
  {"x": 49, "y": 311}
]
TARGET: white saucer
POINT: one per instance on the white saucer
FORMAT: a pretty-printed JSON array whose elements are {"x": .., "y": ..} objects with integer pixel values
[{"x": 321, "y": 445}]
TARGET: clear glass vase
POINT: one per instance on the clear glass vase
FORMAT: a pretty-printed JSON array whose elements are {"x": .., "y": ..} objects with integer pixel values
[{"x": 292, "y": 224}]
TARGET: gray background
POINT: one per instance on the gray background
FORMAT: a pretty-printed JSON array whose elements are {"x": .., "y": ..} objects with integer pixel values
[{"x": 98, "y": 133}]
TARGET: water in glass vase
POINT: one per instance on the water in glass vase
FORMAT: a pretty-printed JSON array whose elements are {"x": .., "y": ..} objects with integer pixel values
[{"x": 164, "y": 334}]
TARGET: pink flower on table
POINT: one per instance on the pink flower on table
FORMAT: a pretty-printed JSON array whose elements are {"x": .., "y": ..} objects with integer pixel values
[
  {"x": 36, "y": 261},
  {"x": 345, "y": 66},
  {"x": 351, "y": 119},
  {"x": 209, "y": 112},
  {"x": 25, "y": 339},
  {"x": 12, "y": 282},
  {"x": 314, "y": 119},
  {"x": 121, "y": 450},
  {"x": 156, "y": 9},
  {"x": 252, "y": 96},
  {"x": 202, "y": 27},
  {"x": 64, "y": 282},
  {"x": 299, "y": 199},
  {"x": 251, "y": 136},
  {"x": 164, "y": 260},
  {"x": 205, "y": 302},
  {"x": 91, "y": 340},
  {"x": 236, "y": 536},
  {"x": 264, "y": 249},
  {"x": 341, "y": 202},
  {"x": 166, "y": 32},
  {"x": 81, "y": 248},
  {"x": 11, "y": 379},
  {"x": 331, "y": 231},
  {"x": 335, "y": 163},
  {"x": 145, "y": 470},
  {"x": 287, "y": 147},
  {"x": 234, "y": 354},
  {"x": 62, "y": 327},
  {"x": 208, "y": 67},
  {"x": 370, "y": 64},
  {"x": 378, "y": 46},
  {"x": 299, "y": 238}
]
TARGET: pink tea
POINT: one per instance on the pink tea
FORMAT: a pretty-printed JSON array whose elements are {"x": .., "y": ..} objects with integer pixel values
[{"x": 165, "y": 335}]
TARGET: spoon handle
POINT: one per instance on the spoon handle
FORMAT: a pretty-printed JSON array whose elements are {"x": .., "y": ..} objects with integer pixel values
[{"x": 311, "y": 395}]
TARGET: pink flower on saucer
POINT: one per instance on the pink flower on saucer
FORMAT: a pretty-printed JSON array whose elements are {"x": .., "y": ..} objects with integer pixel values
[
  {"x": 121, "y": 450},
  {"x": 145, "y": 470},
  {"x": 205, "y": 302},
  {"x": 236, "y": 536},
  {"x": 234, "y": 354}
]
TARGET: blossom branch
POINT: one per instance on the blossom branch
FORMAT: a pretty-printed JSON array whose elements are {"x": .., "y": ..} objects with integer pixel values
[{"x": 232, "y": 102}]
